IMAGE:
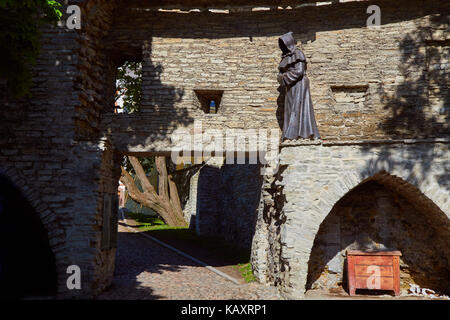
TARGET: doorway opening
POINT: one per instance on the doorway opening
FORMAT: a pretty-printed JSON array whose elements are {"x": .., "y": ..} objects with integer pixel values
[{"x": 27, "y": 263}]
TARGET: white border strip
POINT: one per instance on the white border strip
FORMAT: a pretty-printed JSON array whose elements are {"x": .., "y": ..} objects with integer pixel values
[{"x": 220, "y": 273}]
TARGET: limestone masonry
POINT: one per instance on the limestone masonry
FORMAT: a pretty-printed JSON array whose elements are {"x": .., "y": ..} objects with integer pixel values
[{"x": 378, "y": 178}]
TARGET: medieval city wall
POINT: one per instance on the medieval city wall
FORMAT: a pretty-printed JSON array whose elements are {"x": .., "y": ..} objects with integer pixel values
[
  {"x": 228, "y": 198},
  {"x": 61, "y": 163},
  {"x": 36, "y": 140},
  {"x": 313, "y": 178},
  {"x": 367, "y": 85}
]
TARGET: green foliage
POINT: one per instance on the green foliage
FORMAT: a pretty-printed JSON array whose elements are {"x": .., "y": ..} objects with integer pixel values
[
  {"x": 246, "y": 271},
  {"x": 148, "y": 164},
  {"x": 147, "y": 222},
  {"x": 19, "y": 40},
  {"x": 129, "y": 85},
  {"x": 129, "y": 89}
]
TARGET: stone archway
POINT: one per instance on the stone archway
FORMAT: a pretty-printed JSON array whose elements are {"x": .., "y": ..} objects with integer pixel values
[
  {"x": 314, "y": 182},
  {"x": 29, "y": 236},
  {"x": 401, "y": 181},
  {"x": 383, "y": 212},
  {"x": 351, "y": 180}
]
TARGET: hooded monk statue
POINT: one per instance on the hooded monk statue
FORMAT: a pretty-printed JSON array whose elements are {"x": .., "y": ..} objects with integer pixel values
[{"x": 299, "y": 118}]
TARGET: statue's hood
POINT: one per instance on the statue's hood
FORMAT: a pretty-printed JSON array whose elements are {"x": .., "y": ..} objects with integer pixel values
[
  {"x": 287, "y": 41},
  {"x": 291, "y": 54}
]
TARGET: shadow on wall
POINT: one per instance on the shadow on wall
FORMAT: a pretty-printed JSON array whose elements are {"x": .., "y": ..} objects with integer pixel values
[
  {"x": 227, "y": 202},
  {"x": 305, "y": 22},
  {"x": 374, "y": 217},
  {"x": 421, "y": 103},
  {"x": 131, "y": 34},
  {"x": 27, "y": 264},
  {"x": 420, "y": 107},
  {"x": 133, "y": 260},
  {"x": 166, "y": 117}
]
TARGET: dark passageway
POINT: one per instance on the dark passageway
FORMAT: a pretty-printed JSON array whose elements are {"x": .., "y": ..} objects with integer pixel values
[{"x": 27, "y": 264}]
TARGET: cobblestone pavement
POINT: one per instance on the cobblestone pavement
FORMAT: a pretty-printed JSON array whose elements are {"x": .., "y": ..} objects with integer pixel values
[{"x": 145, "y": 270}]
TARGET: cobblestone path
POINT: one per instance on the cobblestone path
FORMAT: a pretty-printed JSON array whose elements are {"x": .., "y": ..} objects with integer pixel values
[{"x": 145, "y": 270}]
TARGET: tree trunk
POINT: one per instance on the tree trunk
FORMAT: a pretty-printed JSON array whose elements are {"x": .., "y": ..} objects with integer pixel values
[{"x": 166, "y": 202}]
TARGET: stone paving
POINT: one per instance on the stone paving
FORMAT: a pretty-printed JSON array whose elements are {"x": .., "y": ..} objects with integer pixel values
[{"x": 145, "y": 270}]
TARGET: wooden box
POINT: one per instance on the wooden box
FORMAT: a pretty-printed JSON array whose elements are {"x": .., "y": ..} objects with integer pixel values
[{"x": 376, "y": 270}]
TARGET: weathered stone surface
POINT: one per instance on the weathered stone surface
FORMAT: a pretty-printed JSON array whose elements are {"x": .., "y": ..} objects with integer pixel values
[
  {"x": 308, "y": 202},
  {"x": 227, "y": 201},
  {"x": 360, "y": 77},
  {"x": 372, "y": 217},
  {"x": 366, "y": 84}
]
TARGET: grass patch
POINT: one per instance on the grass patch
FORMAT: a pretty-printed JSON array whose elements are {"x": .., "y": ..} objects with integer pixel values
[
  {"x": 246, "y": 271},
  {"x": 147, "y": 222}
]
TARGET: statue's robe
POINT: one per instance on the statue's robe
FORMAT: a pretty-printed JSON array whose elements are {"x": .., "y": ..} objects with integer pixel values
[{"x": 299, "y": 120}]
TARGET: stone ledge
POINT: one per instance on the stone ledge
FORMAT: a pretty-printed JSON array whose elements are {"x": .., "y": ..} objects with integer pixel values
[{"x": 361, "y": 142}]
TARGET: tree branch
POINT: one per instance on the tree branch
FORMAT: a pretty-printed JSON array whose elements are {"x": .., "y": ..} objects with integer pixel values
[
  {"x": 175, "y": 201},
  {"x": 128, "y": 181},
  {"x": 160, "y": 162},
  {"x": 146, "y": 185},
  {"x": 143, "y": 198}
]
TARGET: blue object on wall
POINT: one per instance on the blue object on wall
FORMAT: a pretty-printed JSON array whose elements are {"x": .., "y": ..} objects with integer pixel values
[{"x": 212, "y": 107}]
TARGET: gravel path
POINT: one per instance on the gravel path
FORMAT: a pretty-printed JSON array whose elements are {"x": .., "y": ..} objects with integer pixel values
[{"x": 145, "y": 270}]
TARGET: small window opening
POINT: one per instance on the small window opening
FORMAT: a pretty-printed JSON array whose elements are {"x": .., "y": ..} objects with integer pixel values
[
  {"x": 127, "y": 98},
  {"x": 209, "y": 100}
]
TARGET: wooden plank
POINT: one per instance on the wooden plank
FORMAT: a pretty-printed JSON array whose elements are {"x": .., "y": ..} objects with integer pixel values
[
  {"x": 375, "y": 283},
  {"x": 351, "y": 275},
  {"x": 365, "y": 271},
  {"x": 373, "y": 253},
  {"x": 396, "y": 261},
  {"x": 373, "y": 260}
]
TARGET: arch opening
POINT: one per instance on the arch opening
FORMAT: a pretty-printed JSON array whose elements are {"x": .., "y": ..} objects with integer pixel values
[
  {"x": 383, "y": 213},
  {"x": 27, "y": 263}
]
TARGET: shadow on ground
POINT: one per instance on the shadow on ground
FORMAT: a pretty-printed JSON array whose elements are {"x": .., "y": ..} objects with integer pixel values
[
  {"x": 139, "y": 259},
  {"x": 132, "y": 261}
]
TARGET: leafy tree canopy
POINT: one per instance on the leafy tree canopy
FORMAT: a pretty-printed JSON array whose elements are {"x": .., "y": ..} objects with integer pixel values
[
  {"x": 129, "y": 90},
  {"x": 20, "y": 21},
  {"x": 147, "y": 163},
  {"x": 129, "y": 86}
]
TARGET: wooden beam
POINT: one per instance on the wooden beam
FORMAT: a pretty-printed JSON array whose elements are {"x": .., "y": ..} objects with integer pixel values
[{"x": 213, "y": 4}]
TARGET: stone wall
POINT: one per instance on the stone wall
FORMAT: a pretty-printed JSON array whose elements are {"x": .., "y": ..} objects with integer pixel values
[
  {"x": 51, "y": 145},
  {"x": 366, "y": 84},
  {"x": 95, "y": 166},
  {"x": 372, "y": 217},
  {"x": 190, "y": 208},
  {"x": 35, "y": 140},
  {"x": 313, "y": 178},
  {"x": 227, "y": 201},
  {"x": 97, "y": 66},
  {"x": 379, "y": 83}
]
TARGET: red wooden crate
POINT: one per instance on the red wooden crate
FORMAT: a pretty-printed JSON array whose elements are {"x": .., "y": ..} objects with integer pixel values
[{"x": 376, "y": 270}]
